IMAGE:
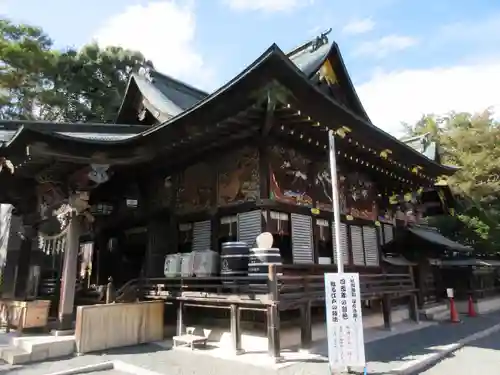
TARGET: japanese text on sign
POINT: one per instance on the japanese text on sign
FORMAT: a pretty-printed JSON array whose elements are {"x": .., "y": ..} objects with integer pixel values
[{"x": 344, "y": 320}]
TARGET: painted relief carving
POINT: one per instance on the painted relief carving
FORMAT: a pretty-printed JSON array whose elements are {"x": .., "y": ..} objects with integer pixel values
[
  {"x": 91, "y": 176},
  {"x": 386, "y": 216},
  {"x": 323, "y": 188},
  {"x": 238, "y": 177},
  {"x": 195, "y": 188},
  {"x": 290, "y": 180},
  {"x": 50, "y": 195},
  {"x": 361, "y": 197}
]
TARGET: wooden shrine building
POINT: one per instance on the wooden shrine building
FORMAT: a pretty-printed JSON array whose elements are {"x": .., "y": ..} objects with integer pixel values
[{"x": 186, "y": 171}]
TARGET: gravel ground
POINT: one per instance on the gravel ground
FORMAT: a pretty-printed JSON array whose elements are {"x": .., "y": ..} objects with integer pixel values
[{"x": 382, "y": 355}]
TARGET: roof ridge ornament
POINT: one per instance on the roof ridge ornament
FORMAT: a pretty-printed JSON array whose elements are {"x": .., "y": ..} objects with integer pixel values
[
  {"x": 145, "y": 70},
  {"x": 320, "y": 40}
]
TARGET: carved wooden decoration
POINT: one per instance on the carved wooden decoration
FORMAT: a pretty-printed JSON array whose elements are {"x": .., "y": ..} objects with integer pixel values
[
  {"x": 162, "y": 191},
  {"x": 49, "y": 195},
  {"x": 290, "y": 177},
  {"x": 386, "y": 215},
  {"x": 238, "y": 177},
  {"x": 195, "y": 188},
  {"x": 323, "y": 188},
  {"x": 361, "y": 196}
]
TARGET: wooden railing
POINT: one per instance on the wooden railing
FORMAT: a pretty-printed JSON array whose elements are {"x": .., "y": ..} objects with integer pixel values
[
  {"x": 243, "y": 290},
  {"x": 294, "y": 283},
  {"x": 294, "y": 290},
  {"x": 282, "y": 288}
]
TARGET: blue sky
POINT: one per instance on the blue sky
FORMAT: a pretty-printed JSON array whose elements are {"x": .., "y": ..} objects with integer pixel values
[{"x": 417, "y": 56}]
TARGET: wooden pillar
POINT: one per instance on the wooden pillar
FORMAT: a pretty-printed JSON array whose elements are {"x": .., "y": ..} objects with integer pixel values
[
  {"x": 27, "y": 234},
  {"x": 69, "y": 274},
  {"x": 157, "y": 247},
  {"x": 413, "y": 308},
  {"x": 305, "y": 326},
  {"x": 273, "y": 316},
  {"x": 264, "y": 172},
  {"x": 99, "y": 269},
  {"x": 387, "y": 311},
  {"x": 9, "y": 271},
  {"x": 236, "y": 328},
  {"x": 263, "y": 144},
  {"x": 180, "y": 319},
  {"x": 413, "y": 299},
  {"x": 214, "y": 202},
  {"x": 421, "y": 283}
]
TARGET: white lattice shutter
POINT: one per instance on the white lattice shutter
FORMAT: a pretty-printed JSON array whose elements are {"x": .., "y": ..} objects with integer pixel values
[
  {"x": 302, "y": 243},
  {"x": 388, "y": 233},
  {"x": 202, "y": 231},
  {"x": 358, "y": 254},
  {"x": 343, "y": 244},
  {"x": 371, "y": 246},
  {"x": 249, "y": 227}
]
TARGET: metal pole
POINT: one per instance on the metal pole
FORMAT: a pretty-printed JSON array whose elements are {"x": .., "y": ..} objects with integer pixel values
[{"x": 336, "y": 202}]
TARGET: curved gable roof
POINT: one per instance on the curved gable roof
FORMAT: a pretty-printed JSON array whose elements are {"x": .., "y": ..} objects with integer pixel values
[
  {"x": 167, "y": 97},
  {"x": 310, "y": 57},
  {"x": 238, "y": 94}
]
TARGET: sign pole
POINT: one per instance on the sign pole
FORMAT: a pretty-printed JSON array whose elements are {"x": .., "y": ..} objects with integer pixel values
[{"x": 336, "y": 201}]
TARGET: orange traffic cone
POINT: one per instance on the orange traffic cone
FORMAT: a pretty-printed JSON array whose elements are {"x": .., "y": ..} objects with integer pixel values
[
  {"x": 453, "y": 312},
  {"x": 472, "y": 311}
]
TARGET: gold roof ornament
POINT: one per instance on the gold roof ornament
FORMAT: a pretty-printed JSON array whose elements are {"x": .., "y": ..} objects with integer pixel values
[
  {"x": 416, "y": 169},
  {"x": 393, "y": 199},
  {"x": 385, "y": 153},
  {"x": 327, "y": 74},
  {"x": 342, "y": 131},
  {"x": 442, "y": 180}
]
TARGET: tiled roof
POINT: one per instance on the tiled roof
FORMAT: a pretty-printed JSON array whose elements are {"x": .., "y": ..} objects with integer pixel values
[
  {"x": 172, "y": 97},
  {"x": 99, "y": 132},
  {"x": 424, "y": 145}
]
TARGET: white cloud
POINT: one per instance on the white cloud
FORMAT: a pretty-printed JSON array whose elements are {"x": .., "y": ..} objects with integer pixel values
[
  {"x": 164, "y": 31},
  {"x": 359, "y": 26},
  {"x": 384, "y": 46},
  {"x": 404, "y": 96},
  {"x": 267, "y": 5}
]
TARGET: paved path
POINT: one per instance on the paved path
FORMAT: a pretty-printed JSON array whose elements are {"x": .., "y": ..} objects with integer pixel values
[
  {"x": 481, "y": 357},
  {"x": 389, "y": 354},
  {"x": 383, "y": 355}
]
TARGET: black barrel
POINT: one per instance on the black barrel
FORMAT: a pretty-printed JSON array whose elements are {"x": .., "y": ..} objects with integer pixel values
[
  {"x": 259, "y": 262},
  {"x": 233, "y": 261}
]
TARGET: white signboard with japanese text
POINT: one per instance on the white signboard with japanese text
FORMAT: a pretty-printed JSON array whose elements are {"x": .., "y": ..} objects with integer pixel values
[{"x": 346, "y": 345}]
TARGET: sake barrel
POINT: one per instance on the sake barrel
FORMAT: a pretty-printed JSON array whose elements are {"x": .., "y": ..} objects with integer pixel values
[
  {"x": 259, "y": 261},
  {"x": 172, "y": 265},
  {"x": 233, "y": 260},
  {"x": 186, "y": 264},
  {"x": 206, "y": 263}
]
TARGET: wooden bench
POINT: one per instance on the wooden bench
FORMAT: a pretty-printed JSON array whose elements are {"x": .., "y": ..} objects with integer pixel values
[{"x": 189, "y": 340}]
